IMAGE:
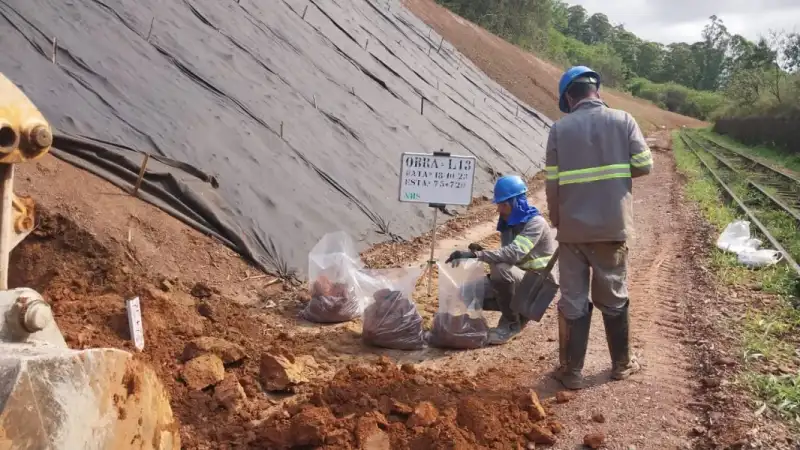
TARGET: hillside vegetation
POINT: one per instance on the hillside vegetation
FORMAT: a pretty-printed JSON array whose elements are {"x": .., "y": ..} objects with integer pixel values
[{"x": 720, "y": 75}]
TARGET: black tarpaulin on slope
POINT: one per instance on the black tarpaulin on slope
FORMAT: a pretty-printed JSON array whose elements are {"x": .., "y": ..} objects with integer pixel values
[{"x": 212, "y": 83}]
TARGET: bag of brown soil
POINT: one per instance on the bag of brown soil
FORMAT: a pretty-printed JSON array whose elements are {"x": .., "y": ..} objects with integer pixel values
[
  {"x": 332, "y": 267},
  {"x": 391, "y": 319},
  {"x": 459, "y": 322}
]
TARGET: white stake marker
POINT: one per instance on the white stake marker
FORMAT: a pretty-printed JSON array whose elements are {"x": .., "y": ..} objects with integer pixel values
[{"x": 135, "y": 325}]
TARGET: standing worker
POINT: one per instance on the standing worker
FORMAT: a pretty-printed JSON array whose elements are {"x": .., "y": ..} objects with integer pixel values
[
  {"x": 592, "y": 155},
  {"x": 526, "y": 245}
]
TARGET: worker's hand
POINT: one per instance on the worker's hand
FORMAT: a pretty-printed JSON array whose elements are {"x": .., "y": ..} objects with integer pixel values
[
  {"x": 475, "y": 247},
  {"x": 458, "y": 255}
]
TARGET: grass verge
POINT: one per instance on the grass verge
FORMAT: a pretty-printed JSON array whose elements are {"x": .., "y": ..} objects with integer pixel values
[
  {"x": 769, "y": 330},
  {"x": 768, "y": 154}
]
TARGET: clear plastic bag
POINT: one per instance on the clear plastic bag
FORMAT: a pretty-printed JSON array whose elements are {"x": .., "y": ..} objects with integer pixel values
[
  {"x": 391, "y": 319},
  {"x": 735, "y": 238},
  {"x": 459, "y": 322},
  {"x": 760, "y": 258},
  {"x": 332, "y": 267}
]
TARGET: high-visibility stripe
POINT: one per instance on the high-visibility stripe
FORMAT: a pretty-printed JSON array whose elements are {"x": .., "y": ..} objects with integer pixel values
[
  {"x": 523, "y": 243},
  {"x": 537, "y": 263},
  {"x": 643, "y": 159},
  {"x": 591, "y": 174},
  {"x": 551, "y": 172},
  {"x": 642, "y": 156}
]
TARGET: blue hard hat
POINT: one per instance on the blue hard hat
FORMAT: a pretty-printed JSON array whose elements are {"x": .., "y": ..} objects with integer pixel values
[
  {"x": 508, "y": 187},
  {"x": 569, "y": 76}
]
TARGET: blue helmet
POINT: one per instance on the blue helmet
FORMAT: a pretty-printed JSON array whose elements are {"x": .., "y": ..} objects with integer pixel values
[
  {"x": 569, "y": 76},
  {"x": 508, "y": 187}
]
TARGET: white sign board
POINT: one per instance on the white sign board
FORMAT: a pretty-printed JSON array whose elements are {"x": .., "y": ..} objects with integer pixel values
[
  {"x": 135, "y": 326},
  {"x": 436, "y": 179}
]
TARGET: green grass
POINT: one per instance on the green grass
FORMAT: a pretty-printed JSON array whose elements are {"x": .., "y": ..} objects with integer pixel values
[
  {"x": 768, "y": 154},
  {"x": 768, "y": 331}
]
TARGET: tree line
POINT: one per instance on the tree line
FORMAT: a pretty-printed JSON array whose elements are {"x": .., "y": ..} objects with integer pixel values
[{"x": 721, "y": 74}]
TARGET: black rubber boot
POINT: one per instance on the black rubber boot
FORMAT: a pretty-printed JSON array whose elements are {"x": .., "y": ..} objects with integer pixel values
[
  {"x": 623, "y": 364},
  {"x": 573, "y": 339}
]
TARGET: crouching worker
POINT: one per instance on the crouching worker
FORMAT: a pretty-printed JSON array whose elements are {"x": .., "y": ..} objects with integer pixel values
[{"x": 526, "y": 245}]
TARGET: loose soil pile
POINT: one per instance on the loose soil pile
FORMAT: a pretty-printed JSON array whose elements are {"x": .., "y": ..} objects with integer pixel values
[{"x": 407, "y": 408}]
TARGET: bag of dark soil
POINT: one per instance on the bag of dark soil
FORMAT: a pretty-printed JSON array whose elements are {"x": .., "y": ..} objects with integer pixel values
[
  {"x": 332, "y": 267},
  {"x": 459, "y": 322},
  {"x": 391, "y": 319}
]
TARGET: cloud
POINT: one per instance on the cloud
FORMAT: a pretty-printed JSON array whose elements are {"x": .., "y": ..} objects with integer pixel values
[{"x": 670, "y": 21}]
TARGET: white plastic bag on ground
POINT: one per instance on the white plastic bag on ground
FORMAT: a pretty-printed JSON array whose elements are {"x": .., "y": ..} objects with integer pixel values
[
  {"x": 735, "y": 238},
  {"x": 759, "y": 258},
  {"x": 332, "y": 267},
  {"x": 391, "y": 319},
  {"x": 459, "y": 322}
]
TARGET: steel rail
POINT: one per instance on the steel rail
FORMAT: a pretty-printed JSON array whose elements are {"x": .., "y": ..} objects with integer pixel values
[
  {"x": 789, "y": 209},
  {"x": 792, "y": 179},
  {"x": 786, "y": 256}
]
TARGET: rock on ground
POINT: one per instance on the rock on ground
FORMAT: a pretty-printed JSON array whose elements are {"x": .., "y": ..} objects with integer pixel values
[
  {"x": 370, "y": 436},
  {"x": 230, "y": 393},
  {"x": 280, "y": 373},
  {"x": 310, "y": 425},
  {"x": 564, "y": 396},
  {"x": 227, "y": 351},
  {"x": 541, "y": 435},
  {"x": 534, "y": 406},
  {"x": 203, "y": 371},
  {"x": 594, "y": 440},
  {"x": 424, "y": 414}
]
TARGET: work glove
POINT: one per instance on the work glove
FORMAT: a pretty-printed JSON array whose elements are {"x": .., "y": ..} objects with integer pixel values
[
  {"x": 458, "y": 255},
  {"x": 475, "y": 247}
]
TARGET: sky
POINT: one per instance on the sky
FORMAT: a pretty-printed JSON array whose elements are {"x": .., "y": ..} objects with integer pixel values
[{"x": 668, "y": 21}]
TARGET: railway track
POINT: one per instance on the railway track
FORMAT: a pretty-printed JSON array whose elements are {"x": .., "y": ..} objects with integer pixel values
[
  {"x": 781, "y": 190},
  {"x": 780, "y": 187}
]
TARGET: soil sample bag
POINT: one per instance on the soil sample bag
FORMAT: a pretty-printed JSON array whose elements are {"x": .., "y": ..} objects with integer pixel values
[
  {"x": 391, "y": 319},
  {"x": 332, "y": 267},
  {"x": 459, "y": 322}
]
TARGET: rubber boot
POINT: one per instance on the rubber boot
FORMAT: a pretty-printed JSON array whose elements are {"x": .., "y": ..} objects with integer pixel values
[
  {"x": 510, "y": 322},
  {"x": 623, "y": 364},
  {"x": 573, "y": 339}
]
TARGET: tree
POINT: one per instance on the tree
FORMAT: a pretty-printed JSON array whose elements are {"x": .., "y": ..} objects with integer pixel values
[
  {"x": 560, "y": 16},
  {"x": 679, "y": 64},
  {"x": 598, "y": 29},
  {"x": 625, "y": 44},
  {"x": 650, "y": 59},
  {"x": 576, "y": 21},
  {"x": 711, "y": 54},
  {"x": 791, "y": 52}
]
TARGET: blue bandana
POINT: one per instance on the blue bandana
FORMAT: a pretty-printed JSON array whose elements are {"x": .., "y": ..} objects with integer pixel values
[{"x": 521, "y": 212}]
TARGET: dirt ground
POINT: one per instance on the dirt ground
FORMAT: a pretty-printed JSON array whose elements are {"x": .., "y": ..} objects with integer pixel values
[
  {"x": 527, "y": 76},
  {"x": 96, "y": 246}
]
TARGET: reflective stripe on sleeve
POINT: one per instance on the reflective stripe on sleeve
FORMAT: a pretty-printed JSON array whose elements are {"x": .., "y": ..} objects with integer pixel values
[
  {"x": 523, "y": 243},
  {"x": 551, "y": 172},
  {"x": 591, "y": 174},
  {"x": 643, "y": 159},
  {"x": 536, "y": 263}
]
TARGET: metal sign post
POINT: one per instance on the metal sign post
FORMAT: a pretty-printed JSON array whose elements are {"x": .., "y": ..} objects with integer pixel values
[{"x": 438, "y": 179}]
